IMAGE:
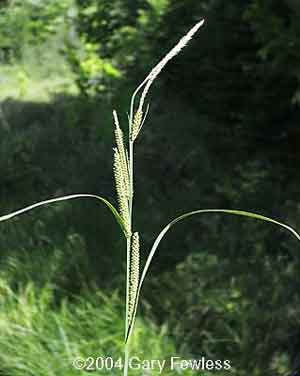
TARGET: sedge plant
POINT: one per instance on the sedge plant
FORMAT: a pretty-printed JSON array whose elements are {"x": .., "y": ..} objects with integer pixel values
[{"x": 123, "y": 166}]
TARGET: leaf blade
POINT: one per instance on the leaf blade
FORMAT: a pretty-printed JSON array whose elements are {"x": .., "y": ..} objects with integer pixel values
[
  {"x": 180, "y": 218},
  {"x": 65, "y": 198}
]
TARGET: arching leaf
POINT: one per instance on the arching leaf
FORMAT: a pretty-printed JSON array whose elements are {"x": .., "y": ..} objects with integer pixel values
[
  {"x": 65, "y": 198},
  {"x": 180, "y": 218}
]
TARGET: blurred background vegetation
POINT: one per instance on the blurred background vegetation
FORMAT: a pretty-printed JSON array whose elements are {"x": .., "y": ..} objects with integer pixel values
[{"x": 223, "y": 131}]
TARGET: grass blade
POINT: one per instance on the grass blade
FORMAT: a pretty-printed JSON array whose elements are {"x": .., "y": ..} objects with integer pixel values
[
  {"x": 65, "y": 198},
  {"x": 180, "y": 218}
]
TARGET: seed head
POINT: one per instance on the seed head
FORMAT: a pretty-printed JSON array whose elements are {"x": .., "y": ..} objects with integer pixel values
[
  {"x": 174, "y": 51},
  {"x": 122, "y": 155},
  {"x": 121, "y": 189},
  {"x": 134, "y": 271},
  {"x": 136, "y": 125}
]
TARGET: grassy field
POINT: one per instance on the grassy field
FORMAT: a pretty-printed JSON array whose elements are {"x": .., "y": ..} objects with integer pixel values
[{"x": 41, "y": 336}]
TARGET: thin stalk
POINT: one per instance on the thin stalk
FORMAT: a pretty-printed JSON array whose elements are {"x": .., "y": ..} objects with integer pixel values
[
  {"x": 126, "y": 362},
  {"x": 130, "y": 203},
  {"x": 127, "y": 282},
  {"x": 131, "y": 181},
  {"x": 126, "y": 349}
]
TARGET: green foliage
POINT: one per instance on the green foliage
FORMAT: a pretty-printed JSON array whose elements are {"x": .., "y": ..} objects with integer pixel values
[
  {"x": 44, "y": 261},
  {"x": 29, "y": 22},
  {"x": 94, "y": 75},
  {"x": 41, "y": 336},
  {"x": 227, "y": 311},
  {"x": 249, "y": 61},
  {"x": 114, "y": 41}
]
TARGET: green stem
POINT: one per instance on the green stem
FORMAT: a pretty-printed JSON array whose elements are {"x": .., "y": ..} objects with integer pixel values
[
  {"x": 126, "y": 362},
  {"x": 127, "y": 347},
  {"x": 131, "y": 181},
  {"x": 127, "y": 282}
]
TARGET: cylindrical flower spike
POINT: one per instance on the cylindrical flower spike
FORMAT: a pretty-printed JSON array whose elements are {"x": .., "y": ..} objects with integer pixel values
[
  {"x": 134, "y": 272},
  {"x": 123, "y": 160},
  {"x": 173, "y": 52},
  {"x": 136, "y": 125},
  {"x": 121, "y": 190}
]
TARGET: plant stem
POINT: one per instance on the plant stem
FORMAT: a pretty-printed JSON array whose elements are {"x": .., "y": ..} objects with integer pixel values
[
  {"x": 127, "y": 283},
  {"x": 131, "y": 181},
  {"x": 126, "y": 349},
  {"x": 128, "y": 248},
  {"x": 126, "y": 362}
]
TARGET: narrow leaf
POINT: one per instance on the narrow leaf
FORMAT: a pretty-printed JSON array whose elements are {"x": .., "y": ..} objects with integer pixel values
[
  {"x": 180, "y": 218},
  {"x": 65, "y": 198}
]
